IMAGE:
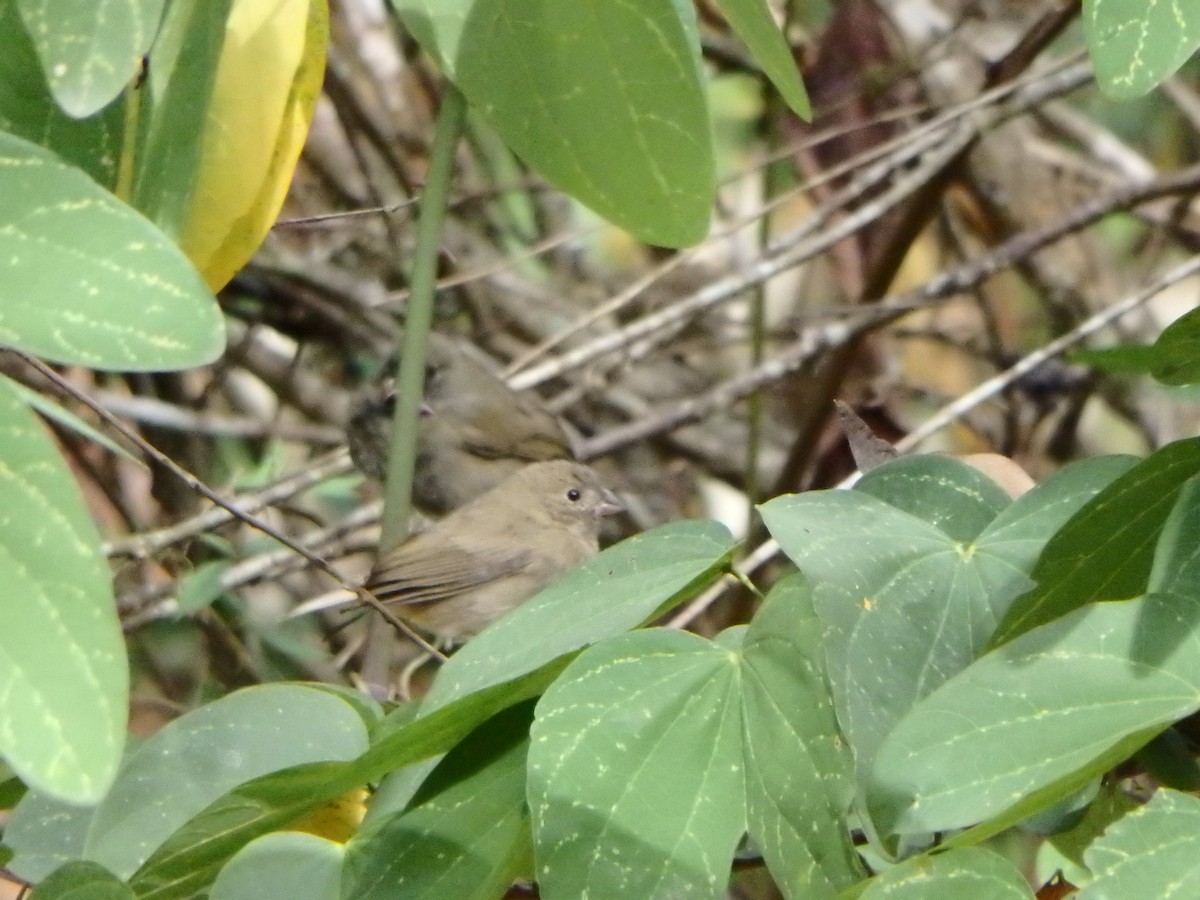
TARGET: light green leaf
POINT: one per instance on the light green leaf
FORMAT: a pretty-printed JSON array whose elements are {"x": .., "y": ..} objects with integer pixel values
[
  {"x": 970, "y": 872},
  {"x": 63, "y": 672},
  {"x": 1056, "y": 699},
  {"x": 1106, "y": 550},
  {"x": 1154, "y": 851},
  {"x": 90, "y": 51},
  {"x": 1136, "y": 44},
  {"x": 603, "y": 99},
  {"x": 86, "y": 280},
  {"x": 466, "y": 834},
  {"x": 287, "y": 864},
  {"x": 82, "y": 881},
  {"x": 636, "y": 785},
  {"x": 799, "y": 771},
  {"x": 196, "y": 759},
  {"x": 752, "y": 21},
  {"x": 613, "y": 592},
  {"x": 45, "y": 834},
  {"x": 28, "y": 110}
]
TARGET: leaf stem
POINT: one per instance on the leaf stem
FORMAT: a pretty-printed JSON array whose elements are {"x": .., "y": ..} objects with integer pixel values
[{"x": 410, "y": 374}]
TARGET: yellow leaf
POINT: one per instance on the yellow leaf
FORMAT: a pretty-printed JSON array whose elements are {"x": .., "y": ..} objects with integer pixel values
[
  {"x": 338, "y": 819},
  {"x": 268, "y": 80}
]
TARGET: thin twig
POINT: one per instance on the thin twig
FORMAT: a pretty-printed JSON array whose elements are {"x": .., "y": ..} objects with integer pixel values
[{"x": 195, "y": 484}]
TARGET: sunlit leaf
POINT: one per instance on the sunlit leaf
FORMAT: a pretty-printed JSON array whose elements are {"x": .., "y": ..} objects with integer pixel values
[
  {"x": 603, "y": 99},
  {"x": 799, "y": 770},
  {"x": 90, "y": 51},
  {"x": 969, "y": 872},
  {"x": 636, "y": 787},
  {"x": 1055, "y": 700},
  {"x": 63, "y": 672},
  {"x": 1153, "y": 851},
  {"x": 29, "y": 110},
  {"x": 86, "y": 280},
  {"x": 607, "y": 595},
  {"x": 1135, "y": 45},
  {"x": 287, "y": 864}
]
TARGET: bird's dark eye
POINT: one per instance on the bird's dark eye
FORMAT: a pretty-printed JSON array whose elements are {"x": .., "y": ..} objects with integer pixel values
[{"x": 573, "y": 495}]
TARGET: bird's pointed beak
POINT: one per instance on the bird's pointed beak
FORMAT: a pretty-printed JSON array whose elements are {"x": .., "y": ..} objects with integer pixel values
[{"x": 610, "y": 504}]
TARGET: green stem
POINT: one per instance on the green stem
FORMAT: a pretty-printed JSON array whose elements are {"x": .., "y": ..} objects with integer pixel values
[{"x": 410, "y": 376}]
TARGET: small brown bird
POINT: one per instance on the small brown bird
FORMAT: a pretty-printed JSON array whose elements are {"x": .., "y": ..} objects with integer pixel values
[
  {"x": 474, "y": 432},
  {"x": 497, "y": 551}
]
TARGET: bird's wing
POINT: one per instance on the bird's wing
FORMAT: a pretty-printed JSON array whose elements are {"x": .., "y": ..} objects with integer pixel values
[
  {"x": 525, "y": 434},
  {"x": 426, "y": 574}
]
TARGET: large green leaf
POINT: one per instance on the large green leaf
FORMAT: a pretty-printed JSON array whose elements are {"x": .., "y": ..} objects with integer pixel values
[
  {"x": 288, "y": 864},
  {"x": 908, "y": 599},
  {"x": 1106, "y": 550},
  {"x": 603, "y": 99},
  {"x": 90, "y": 51},
  {"x": 607, "y": 595},
  {"x": 27, "y": 108},
  {"x": 799, "y": 770},
  {"x": 1135, "y": 45},
  {"x": 1037, "y": 710},
  {"x": 466, "y": 834},
  {"x": 1154, "y": 851},
  {"x": 87, "y": 280},
  {"x": 636, "y": 786},
  {"x": 193, "y": 761},
  {"x": 63, "y": 673},
  {"x": 969, "y": 872}
]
